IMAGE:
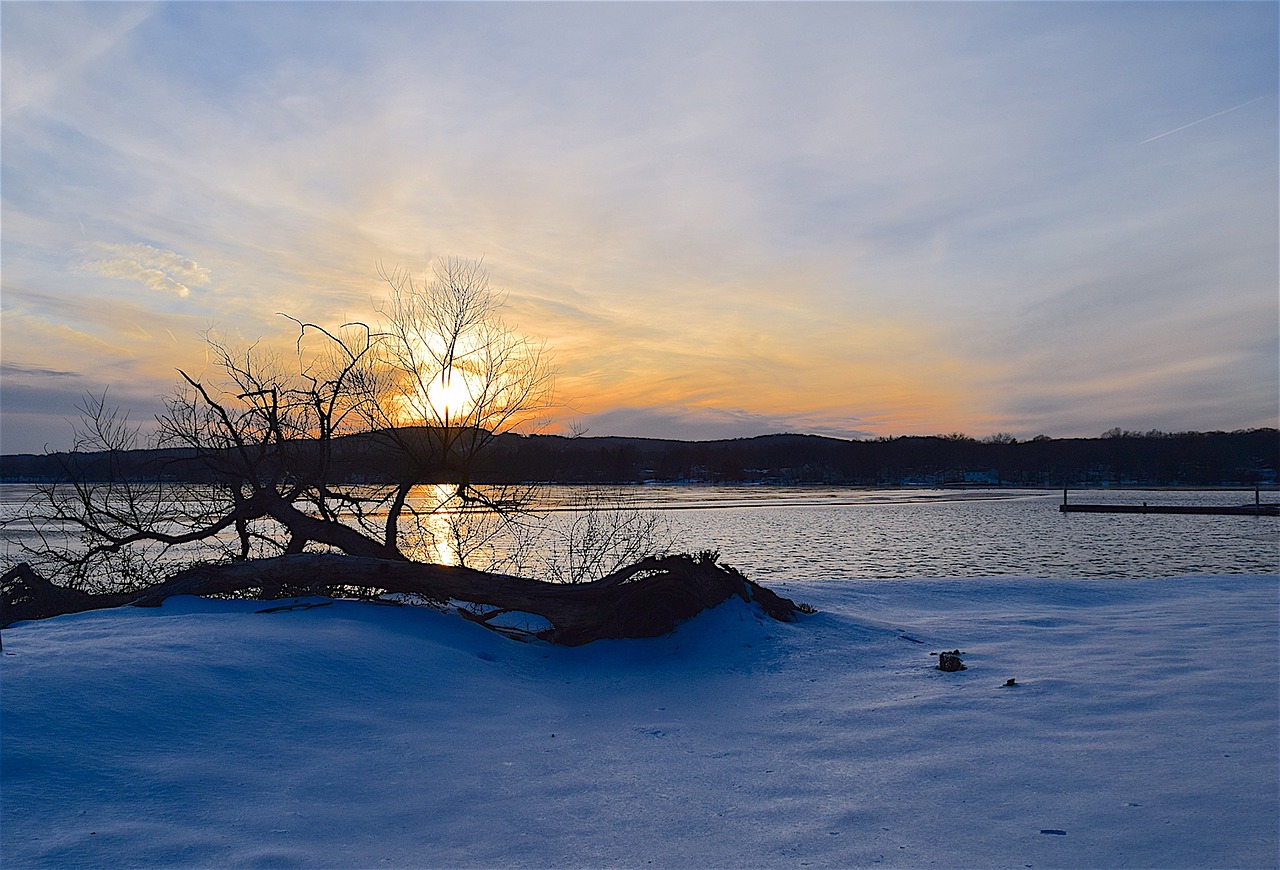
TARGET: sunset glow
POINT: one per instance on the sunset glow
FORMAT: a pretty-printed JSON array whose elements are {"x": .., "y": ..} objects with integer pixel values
[
  {"x": 725, "y": 219},
  {"x": 431, "y": 537},
  {"x": 449, "y": 395}
]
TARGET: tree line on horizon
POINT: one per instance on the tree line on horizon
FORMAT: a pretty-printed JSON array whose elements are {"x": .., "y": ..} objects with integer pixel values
[{"x": 1243, "y": 457}]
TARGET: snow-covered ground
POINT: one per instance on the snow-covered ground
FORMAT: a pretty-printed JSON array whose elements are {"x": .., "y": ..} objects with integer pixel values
[{"x": 1142, "y": 731}]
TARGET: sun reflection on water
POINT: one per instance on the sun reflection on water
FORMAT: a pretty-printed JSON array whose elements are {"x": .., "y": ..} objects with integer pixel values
[{"x": 432, "y": 536}]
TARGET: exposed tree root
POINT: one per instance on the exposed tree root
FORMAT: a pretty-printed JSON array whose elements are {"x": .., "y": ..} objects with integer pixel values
[
  {"x": 646, "y": 599},
  {"x": 25, "y": 594}
]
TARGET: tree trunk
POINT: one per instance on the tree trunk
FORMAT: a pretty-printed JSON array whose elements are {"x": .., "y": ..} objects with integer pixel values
[
  {"x": 24, "y": 594},
  {"x": 644, "y": 600},
  {"x": 303, "y": 527}
]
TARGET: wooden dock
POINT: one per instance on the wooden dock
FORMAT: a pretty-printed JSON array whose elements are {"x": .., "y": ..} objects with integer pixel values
[
  {"x": 1244, "y": 510},
  {"x": 1259, "y": 508}
]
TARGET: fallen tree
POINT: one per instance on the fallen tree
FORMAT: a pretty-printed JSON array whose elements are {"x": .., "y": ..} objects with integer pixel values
[
  {"x": 428, "y": 388},
  {"x": 647, "y": 599}
]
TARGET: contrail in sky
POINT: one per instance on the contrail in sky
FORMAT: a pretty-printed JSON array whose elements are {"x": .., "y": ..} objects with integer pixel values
[{"x": 1201, "y": 121}]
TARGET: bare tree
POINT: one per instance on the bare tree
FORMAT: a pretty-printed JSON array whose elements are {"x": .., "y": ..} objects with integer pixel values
[
  {"x": 430, "y": 388},
  {"x": 265, "y": 428},
  {"x": 258, "y": 436},
  {"x": 462, "y": 377},
  {"x": 595, "y": 534},
  {"x": 98, "y": 528},
  {"x": 268, "y": 434}
]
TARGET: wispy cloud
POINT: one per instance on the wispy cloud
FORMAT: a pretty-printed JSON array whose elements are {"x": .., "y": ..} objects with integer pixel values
[
  {"x": 12, "y": 369},
  {"x": 162, "y": 271},
  {"x": 1201, "y": 120}
]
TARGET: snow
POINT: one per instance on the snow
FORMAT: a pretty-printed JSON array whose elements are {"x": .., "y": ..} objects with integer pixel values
[{"x": 1142, "y": 731}]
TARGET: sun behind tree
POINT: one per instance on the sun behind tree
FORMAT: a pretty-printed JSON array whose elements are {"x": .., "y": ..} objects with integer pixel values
[
  {"x": 271, "y": 437},
  {"x": 450, "y": 396}
]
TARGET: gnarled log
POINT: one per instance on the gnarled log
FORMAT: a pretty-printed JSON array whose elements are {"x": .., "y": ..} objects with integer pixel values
[
  {"x": 643, "y": 600},
  {"x": 25, "y": 594}
]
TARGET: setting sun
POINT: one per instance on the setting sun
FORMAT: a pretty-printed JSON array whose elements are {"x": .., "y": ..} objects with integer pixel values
[{"x": 449, "y": 395}]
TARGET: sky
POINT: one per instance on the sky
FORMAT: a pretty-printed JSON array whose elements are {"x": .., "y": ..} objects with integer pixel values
[{"x": 725, "y": 219}]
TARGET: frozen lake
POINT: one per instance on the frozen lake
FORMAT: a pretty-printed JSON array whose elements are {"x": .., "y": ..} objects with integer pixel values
[
  {"x": 823, "y": 533},
  {"x": 838, "y": 533}
]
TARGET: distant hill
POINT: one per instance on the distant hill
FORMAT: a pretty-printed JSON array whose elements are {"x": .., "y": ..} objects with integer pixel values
[{"x": 1244, "y": 457}]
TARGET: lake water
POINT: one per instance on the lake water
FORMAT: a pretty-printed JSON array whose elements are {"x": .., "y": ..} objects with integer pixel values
[
  {"x": 801, "y": 533},
  {"x": 844, "y": 533}
]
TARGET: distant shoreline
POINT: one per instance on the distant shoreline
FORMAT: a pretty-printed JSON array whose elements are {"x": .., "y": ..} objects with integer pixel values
[{"x": 1189, "y": 460}]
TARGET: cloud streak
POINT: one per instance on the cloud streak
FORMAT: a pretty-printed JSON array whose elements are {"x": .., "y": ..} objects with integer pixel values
[
  {"x": 1201, "y": 120},
  {"x": 9, "y": 369}
]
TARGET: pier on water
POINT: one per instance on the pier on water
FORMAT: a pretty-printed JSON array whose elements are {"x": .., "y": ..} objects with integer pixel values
[{"x": 1259, "y": 508}]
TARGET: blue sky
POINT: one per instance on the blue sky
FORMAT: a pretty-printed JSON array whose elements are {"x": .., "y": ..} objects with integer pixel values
[{"x": 726, "y": 219}]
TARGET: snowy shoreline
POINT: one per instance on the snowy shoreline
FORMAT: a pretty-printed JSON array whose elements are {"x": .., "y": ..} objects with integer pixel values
[{"x": 1143, "y": 731}]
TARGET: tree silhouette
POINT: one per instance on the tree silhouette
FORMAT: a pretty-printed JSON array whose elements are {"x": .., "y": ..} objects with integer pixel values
[{"x": 429, "y": 386}]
